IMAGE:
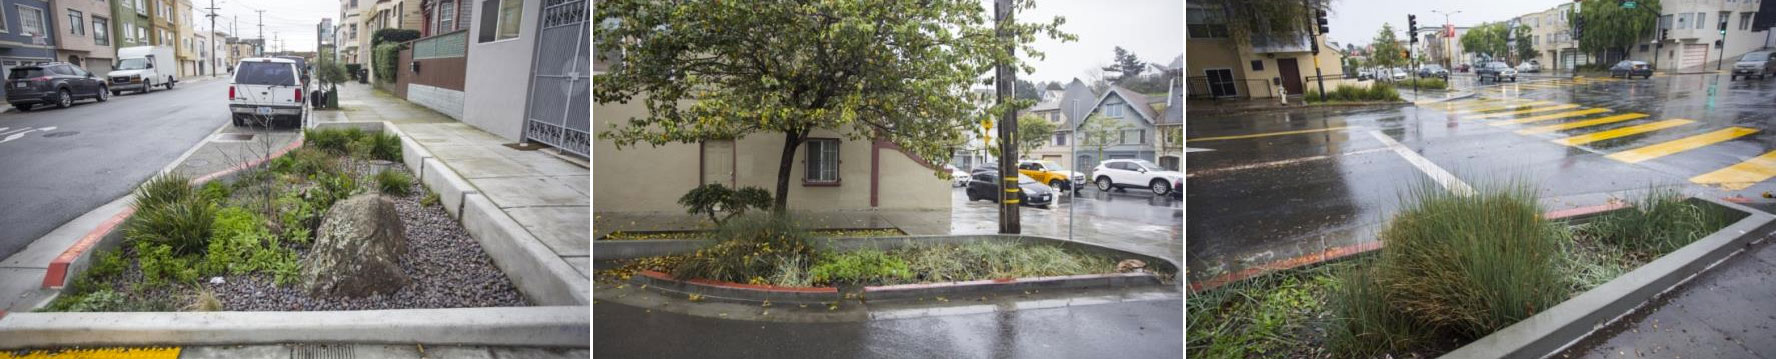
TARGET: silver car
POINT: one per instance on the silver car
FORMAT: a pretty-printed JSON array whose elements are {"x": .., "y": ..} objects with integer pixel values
[{"x": 1756, "y": 63}]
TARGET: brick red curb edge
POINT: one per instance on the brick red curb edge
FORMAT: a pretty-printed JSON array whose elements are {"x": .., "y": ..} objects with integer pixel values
[
  {"x": 1360, "y": 248},
  {"x": 738, "y": 286},
  {"x": 57, "y": 274},
  {"x": 995, "y": 282}
]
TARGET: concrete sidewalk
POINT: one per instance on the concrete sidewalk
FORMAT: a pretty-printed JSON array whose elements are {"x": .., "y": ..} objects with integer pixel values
[
  {"x": 548, "y": 195},
  {"x": 1724, "y": 312}
]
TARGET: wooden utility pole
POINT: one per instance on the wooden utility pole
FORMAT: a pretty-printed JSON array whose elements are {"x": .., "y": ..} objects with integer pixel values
[{"x": 1005, "y": 81}]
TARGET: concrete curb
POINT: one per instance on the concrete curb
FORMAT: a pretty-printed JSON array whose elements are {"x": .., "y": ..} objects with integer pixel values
[
  {"x": 562, "y": 326},
  {"x": 1085, "y": 281},
  {"x": 1559, "y": 327},
  {"x": 736, "y": 292},
  {"x": 624, "y": 249}
]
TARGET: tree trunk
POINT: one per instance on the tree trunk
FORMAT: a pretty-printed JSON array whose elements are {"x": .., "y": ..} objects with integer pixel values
[{"x": 791, "y": 141}]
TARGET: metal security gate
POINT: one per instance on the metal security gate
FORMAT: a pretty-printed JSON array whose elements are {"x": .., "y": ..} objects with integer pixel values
[{"x": 560, "y": 88}]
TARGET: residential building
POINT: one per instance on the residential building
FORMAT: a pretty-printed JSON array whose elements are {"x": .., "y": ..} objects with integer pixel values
[
  {"x": 1221, "y": 66},
  {"x": 389, "y": 14},
  {"x": 85, "y": 38},
  {"x": 526, "y": 53},
  {"x": 1551, "y": 34},
  {"x": 185, "y": 38},
  {"x": 1169, "y": 136},
  {"x": 218, "y": 58},
  {"x": 163, "y": 26},
  {"x": 27, "y": 34},
  {"x": 1443, "y": 47},
  {"x": 1137, "y": 139},
  {"x": 1695, "y": 41},
  {"x": 439, "y": 59},
  {"x": 444, "y": 16},
  {"x": 131, "y": 23},
  {"x": 1062, "y": 108},
  {"x": 345, "y": 36}
]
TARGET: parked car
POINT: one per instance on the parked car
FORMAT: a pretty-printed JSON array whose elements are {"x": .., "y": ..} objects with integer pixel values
[
  {"x": 1123, "y": 173},
  {"x": 267, "y": 89},
  {"x": 1631, "y": 68},
  {"x": 1755, "y": 63},
  {"x": 1464, "y": 68},
  {"x": 1497, "y": 70},
  {"x": 1433, "y": 71},
  {"x": 1397, "y": 74},
  {"x": 55, "y": 83},
  {"x": 1529, "y": 66},
  {"x": 1052, "y": 174},
  {"x": 985, "y": 185},
  {"x": 301, "y": 64},
  {"x": 141, "y": 68},
  {"x": 958, "y": 178}
]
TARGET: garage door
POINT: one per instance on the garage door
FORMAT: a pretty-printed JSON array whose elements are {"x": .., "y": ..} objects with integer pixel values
[{"x": 1694, "y": 55}]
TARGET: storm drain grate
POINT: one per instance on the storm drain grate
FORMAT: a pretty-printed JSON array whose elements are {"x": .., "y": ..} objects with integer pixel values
[
  {"x": 308, "y": 351},
  {"x": 233, "y": 137},
  {"x": 60, "y": 134}
]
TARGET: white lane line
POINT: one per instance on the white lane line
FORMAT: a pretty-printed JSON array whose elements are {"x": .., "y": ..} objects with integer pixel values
[
  {"x": 15, "y": 131},
  {"x": 1278, "y": 162},
  {"x": 1442, "y": 177}
]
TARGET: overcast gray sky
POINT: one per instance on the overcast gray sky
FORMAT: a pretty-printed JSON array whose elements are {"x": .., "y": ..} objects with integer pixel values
[
  {"x": 1152, "y": 29},
  {"x": 1357, "y": 21},
  {"x": 291, "y": 21}
]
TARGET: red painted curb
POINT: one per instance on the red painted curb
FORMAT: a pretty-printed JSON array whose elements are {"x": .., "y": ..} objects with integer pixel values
[
  {"x": 1346, "y": 251},
  {"x": 739, "y": 286},
  {"x": 995, "y": 281},
  {"x": 57, "y": 275}
]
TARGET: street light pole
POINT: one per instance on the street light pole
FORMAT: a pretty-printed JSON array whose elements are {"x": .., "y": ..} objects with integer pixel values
[{"x": 1448, "y": 62}]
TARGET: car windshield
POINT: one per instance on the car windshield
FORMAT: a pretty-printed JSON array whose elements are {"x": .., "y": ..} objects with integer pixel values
[
  {"x": 25, "y": 73},
  {"x": 1143, "y": 163},
  {"x": 1022, "y": 179},
  {"x": 1498, "y": 65},
  {"x": 1051, "y": 165},
  {"x": 132, "y": 64},
  {"x": 1755, "y": 56},
  {"x": 265, "y": 73}
]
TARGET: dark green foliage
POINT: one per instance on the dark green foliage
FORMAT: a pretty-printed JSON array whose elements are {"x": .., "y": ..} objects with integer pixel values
[
  {"x": 385, "y": 147},
  {"x": 297, "y": 216},
  {"x": 393, "y": 35},
  {"x": 714, "y": 198},
  {"x": 330, "y": 140},
  {"x": 1424, "y": 83},
  {"x": 159, "y": 191},
  {"x": 102, "y": 300},
  {"x": 215, "y": 191},
  {"x": 183, "y": 225},
  {"x": 333, "y": 188},
  {"x": 866, "y": 267},
  {"x": 748, "y": 250},
  {"x": 384, "y": 59},
  {"x": 430, "y": 198},
  {"x": 1270, "y": 316},
  {"x": 305, "y": 161},
  {"x": 394, "y": 182},
  {"x": 1659, "y": 223},
  {"x": 160, "y": 266},
  {"x": 108, "y": 263},
  {"x": 1351, "y": 93}
]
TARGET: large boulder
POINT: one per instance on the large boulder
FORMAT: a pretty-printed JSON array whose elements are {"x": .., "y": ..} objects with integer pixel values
[{"x": 357, "y": 251}]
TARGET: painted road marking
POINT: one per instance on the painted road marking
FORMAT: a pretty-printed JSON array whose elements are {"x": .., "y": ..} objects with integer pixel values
[
  {"x": 105, "y": 353},
  {"x": 20, "y": 133},
  {"x": 1620, "y": 132},
  {"x": 1546, "y": 117},
  {"x": 1278, "y": 163},
  {"x": 1524, "y": 111},
  {"x": 1482, "y": 103},
  {"x": 1741, "y": 175},
  {"x": 1206, "y": 139},
  {"x": 1578, "y": 124},
  {"x": 1449, "y": 181},
  {"x": 1502, "y": 107},
  {"x": 1679, "y": 145}
]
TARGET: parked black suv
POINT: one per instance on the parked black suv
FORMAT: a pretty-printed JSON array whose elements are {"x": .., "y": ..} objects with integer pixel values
[{"x": 57, "y": 83}]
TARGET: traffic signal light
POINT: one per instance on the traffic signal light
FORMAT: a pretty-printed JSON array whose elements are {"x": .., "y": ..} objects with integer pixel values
[
  {"x": 1578, "y": 27},
  {"x": 1628, "y": 4},
  {"x": 1664, "y": 34},
  {"x": 1723, "y": 28},
  {"x": 1321, "y": 19},
  {"x": 1412, "y": 27}
]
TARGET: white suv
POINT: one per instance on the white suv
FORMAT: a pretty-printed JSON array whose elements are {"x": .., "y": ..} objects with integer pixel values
[
  {"x": 265, "y": 88},
  {"x": 1119, "y": 173}
]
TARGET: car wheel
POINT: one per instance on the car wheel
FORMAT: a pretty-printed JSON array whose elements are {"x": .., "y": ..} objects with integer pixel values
[
  {"x": 1057, "y": 186},
  {"x": 1104, "y": 183},
  {"x": 238, "y": 122},
  {"x": 147, "y": 87},
  {"x": 170, "y": 83},
  {"x": 1160, "y": 187},
  {"x": 104, "y": 94},
  {"x": 64, "y": 99}
]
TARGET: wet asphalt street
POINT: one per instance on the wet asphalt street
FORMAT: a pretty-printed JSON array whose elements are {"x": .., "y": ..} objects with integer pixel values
[
  {"x": 1133, "y": 220},
  {"x": 1273, "y": 186},
  {"x": 56, "y": 164}
]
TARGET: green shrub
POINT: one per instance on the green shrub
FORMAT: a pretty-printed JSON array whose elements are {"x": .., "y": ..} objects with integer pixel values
[
  {"x": 102, "y": 300},
  {"x": 305, "y": 161},
  {"x": 161, "y": 267},
  {"x": 1460, "y": 266},
  {"x": 748, "y": 250},
  {"x": 1367, "y": 324},
  {"x": 333, "y": 188},
  {"x": 1001, "y": 259},
  {"x": 159, "y": 191},
  {"x": 393, "y": 35},
  {"x": 865, "y": 266},
  {"x": 384, "y": 58},
  {"x": 109, "y": 263},
  {"x": 215, "y": 191},
  {"x": 1262, "y": 317},
  {"x": 297, "y": 216},
  {"x": 183, "y": 225},
  {"x": 330, "y": 140},
  {"x": 1351, "y": 93},
  {"x": 1424, "y": 83},
  {"x": 385, "y": 147},
  {"x": 394, "y": 182},
  {"x": 237, "y": 234},
  {"x": 361, "y": 147},
  {"x": 1659, "y": 223},
  {"x": 714, "y": 198},
  {"x": 431, "y": 198}
]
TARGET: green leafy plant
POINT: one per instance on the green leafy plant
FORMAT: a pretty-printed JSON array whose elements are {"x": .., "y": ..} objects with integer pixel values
[
  {"x": 297, "y": 216},
  {"x": 384, "y": 60},
  {"x": 109, "y": 263},
  {"x": 160, "y": 266},
  {"x": 1262, "y": 317},
  {"x": 394, "y": 182},
  {"x": 164, "y": 189},
  {"x": 306, "y": 161},
  {"x": 102, "y": 300},
  {"x": 331, "y": 140},
  {"x": 748, "y": 250},
  {"x": 431, "y": 198},
  {"x": 393, "y": 35},
  {"x": 183, "y": 225},
  {"x": 714, "y": 198},
  {"x": 1352, "y": 93},
  {"x": 333, "y": 188},
  {"x": 1658, "y": 223},
  {"x": 865, "y": 266},
  {"x": 215, "y": 191}
]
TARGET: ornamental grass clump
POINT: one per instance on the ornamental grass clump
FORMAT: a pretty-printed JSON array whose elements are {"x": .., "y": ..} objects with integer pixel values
[
  {"x": 748, "y": 250},
  {"x": 1658, "y": 223},
  {"x": 1453, "y": 266}
]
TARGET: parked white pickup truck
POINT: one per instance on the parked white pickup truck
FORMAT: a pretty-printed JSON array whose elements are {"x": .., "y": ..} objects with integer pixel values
[{"x": 141, "y": 68}]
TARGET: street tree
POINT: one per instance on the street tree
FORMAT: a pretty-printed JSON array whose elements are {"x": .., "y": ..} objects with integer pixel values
[
  {"x": 1388, "y": 52},
  {"x": 1526, "y": 49},
  {"x": 1609, "y": 26},
  {"x": 1033, "y": 132},
  {"x": 1487, "y": 40},
  {"x": 1125, "y": 66},
  {"x": 1098, "y": 132},
  {"x": 894, "y": 70},
  {"x": 1026, "y": 90},
  {"x": 1250, "y": 19}
]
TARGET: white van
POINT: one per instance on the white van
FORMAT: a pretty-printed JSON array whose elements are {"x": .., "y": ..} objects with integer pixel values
[
  {"x": 264, "y": 90},
  {"x": 141, "y": 68}
]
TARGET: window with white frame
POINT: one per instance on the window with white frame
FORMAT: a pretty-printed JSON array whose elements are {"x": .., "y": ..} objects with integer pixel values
[
  {"x": 822, "y": 161},
  {"x": 500, "y": 19},
  {"x": 446, "y": 16},
  {"x": 1113, "y": 110},
  {"x": 1745, "y": 20},
  {"x": 30, "y": 21}
]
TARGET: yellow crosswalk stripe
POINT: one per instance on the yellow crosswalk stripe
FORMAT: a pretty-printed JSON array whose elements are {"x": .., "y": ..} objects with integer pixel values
[
  {"x": 1482, "y": 103},
  {"x": 1561, "y": 115},
  {"x": 1620, "y": 132},
  {"x": 1578, "y": 124},
  {"x": 1663, "y": 149},
  {"x": 1502, "y": 107},
  {"x": 1741, "y": 175},
  {"x": 101, "y": 353},
  {"x": 1524, "y": 111}
]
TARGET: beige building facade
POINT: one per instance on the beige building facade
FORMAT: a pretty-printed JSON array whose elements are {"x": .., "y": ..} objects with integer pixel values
[
  {"x": 1221, "y": 67},
  {"x": 85, "y": 36}
]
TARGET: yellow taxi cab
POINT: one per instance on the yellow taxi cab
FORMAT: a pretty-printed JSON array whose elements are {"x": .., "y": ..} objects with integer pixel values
[{"x": 1051, "y": 174}]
